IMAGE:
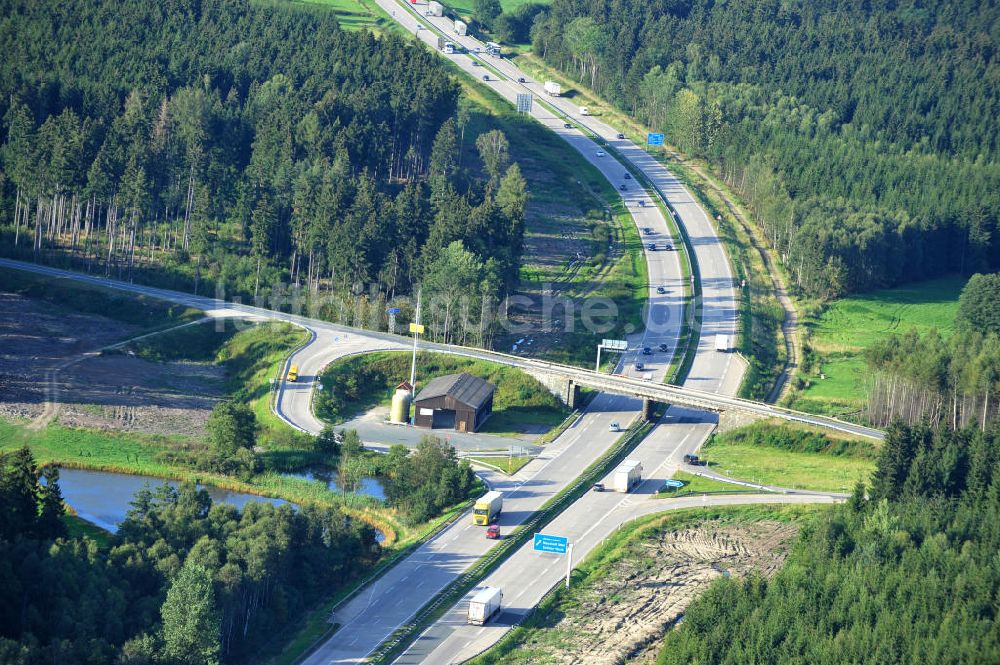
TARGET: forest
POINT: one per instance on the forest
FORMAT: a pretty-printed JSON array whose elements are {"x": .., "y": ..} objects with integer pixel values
[
  {"x": 955, "y": 382},
  {"x": 863, "y": 136},
  {"x": 250, "y": 149},
  {"x": 183, "y": 581},
  {"x": 905, "y": 572}
]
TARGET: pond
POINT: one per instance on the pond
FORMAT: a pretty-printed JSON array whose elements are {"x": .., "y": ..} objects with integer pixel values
[
  {"x": 103, "y": 498},
  {"x": 368, "y": 486}
]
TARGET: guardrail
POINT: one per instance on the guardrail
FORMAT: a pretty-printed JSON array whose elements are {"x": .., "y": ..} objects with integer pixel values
[{"x": 525, "y": 531}]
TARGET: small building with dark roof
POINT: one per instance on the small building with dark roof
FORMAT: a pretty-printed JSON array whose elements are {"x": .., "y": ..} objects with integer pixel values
[{"x": 457, "y": 401}]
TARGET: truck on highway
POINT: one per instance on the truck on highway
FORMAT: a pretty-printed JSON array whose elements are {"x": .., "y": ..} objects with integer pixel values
[
  {"x": 628, "y": 475},
  {"x": 461, "y": 28},
  {"x": 552, "y": 88},
  {"x": 435, "y": 9},
  {"x": 487, "y": 507},
  {"x": 584, "y": 110},
  {"x": 293, "y": 373},
  {"x": 493, "y": 48},
  {"x": 722, "y": 343},
  {"x": 484, "y": 605}
]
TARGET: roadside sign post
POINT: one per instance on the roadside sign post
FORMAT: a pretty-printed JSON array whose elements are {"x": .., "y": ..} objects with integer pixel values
[
  {"x": 524, "y": 102},
  {"x": 416, "y": 329},
  {"x": 555, "y": 545},
  {"x": 392, "y": 312},
  {"x": 569, "y": 563},
  {"x": 610, "y": 345}
]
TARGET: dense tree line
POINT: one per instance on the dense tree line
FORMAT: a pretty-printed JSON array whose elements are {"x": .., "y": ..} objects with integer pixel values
[
  {"x": 246, "y": 145},
  {"x": 908, "y": 574},
  {"x": 863, "y": 135},
  {"x": 955, "y": 381},
  {"x": 183, "y": 581}
]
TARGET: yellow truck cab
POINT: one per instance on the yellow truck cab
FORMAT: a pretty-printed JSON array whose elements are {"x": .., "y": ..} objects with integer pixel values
[
  {"x": 293, "y": 373},
  {"x": 487, "y": 507}
]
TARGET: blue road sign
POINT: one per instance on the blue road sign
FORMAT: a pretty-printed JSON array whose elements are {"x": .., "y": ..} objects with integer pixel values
[
  {"x": 553, "y": 544},
  {"x": 673, "y": 483},
  {"x": 393, "y": 310},
  {"x": 654, "y": 139}
]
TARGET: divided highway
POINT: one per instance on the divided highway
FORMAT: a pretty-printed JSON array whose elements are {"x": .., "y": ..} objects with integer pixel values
[{"x": 372, "y": 615}]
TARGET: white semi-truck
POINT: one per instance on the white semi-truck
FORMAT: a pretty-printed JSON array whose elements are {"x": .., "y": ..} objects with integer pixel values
[
  {"x": 435, "y": 9},
  {"x": 460, "y": 28},
  {"x": 723, "y": 343},
  {"x": 552, "y": 88},
  {"x": 628, "y": 475},
  {"x": 484, "y": 605}
]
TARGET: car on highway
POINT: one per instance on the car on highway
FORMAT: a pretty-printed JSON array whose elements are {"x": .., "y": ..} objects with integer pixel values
[
  {"x": 493, "y": 532},
  {"x": 486, "y": 77},
  {"x": 664, "y": 348},
  {"x": 623, "y": 187},
  {"x": 615, "y": 427},
  {"x": 642, "y": 204},
  {"x": 598, "y": 487},
  {"x": 648, "y": 231},
  {"x": 475, "y": 63},
  {"x": 600, "y": 153},
  {"x": 668, "y": 247},
  {"x": 646, "y": 351},
  {"x": 651, "y": 246},
  {"x": 620, "y": 135},
  {"x": 661, "y": 290},
  {"x": 628, "y": 176},
  {"x": 567, "y": 125},
  {"x": 639, "y": 366},
  {"x": 693, "y": 460},
  {"x": 520, "y": 79}
]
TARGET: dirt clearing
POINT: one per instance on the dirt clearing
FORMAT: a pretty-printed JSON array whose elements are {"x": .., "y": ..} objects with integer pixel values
[
  {"x": 45, "y": 374},
  {"x": 621, "y": 614}
]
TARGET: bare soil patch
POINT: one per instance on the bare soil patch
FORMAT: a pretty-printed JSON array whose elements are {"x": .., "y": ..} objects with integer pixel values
[
  {"x": 622, "y": 616},
  {"x": 48, "y": 369}
]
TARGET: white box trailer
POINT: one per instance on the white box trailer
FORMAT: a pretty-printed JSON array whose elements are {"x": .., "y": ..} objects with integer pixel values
[
  {"x": 584, "y": 110},
  {"x": 722, "y": 343},
  {"x": 628, "y": 475},
  {"x": 552, "y": 88},
  {"x": 484, "y": 605},
  {"x": 435, "y": 8},
  {"x": 460, "y": 28}
]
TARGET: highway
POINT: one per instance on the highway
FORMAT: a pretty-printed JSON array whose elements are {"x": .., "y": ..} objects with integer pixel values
[{"x": 376, "y": 612}]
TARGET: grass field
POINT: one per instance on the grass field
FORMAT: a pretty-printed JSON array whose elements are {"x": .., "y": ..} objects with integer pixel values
[
  {"x": 354, "y": 385},
  {"x": 791, "y": 456},
  {"x": 356, "y": 14},
  {"x": 839, "y": 334},
  {"x": 697, "y": 485},
  {"x": 464, "y": 7},
  {"x": 509, "y": 465}
]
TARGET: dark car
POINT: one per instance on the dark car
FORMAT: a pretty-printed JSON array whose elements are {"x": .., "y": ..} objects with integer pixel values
[
  {"x": 651, "y": 247},
  {"x": 639, "y": 366},
  {"x": 521, "y": 79},
  {"x": 646, "y": 351},
  {"x": 693, "y": 460},
  {"x": 664, "y": 348},
  {"x": 647, "y": 231},
  {"x": 598, "y": 487},
  {"x": 475, "y": 63},
  {"x": 622, "y": 187},
  {"x": 668, "y": 247},
  {"x": 567, "y": 125},
  {"x": 628, "y": 176},
  {"x": 620, "y": 135},
  {"x": 642, "y": 204},
  {"x": 660, "y": 290},
  {"x": 486, "y": 77}
]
